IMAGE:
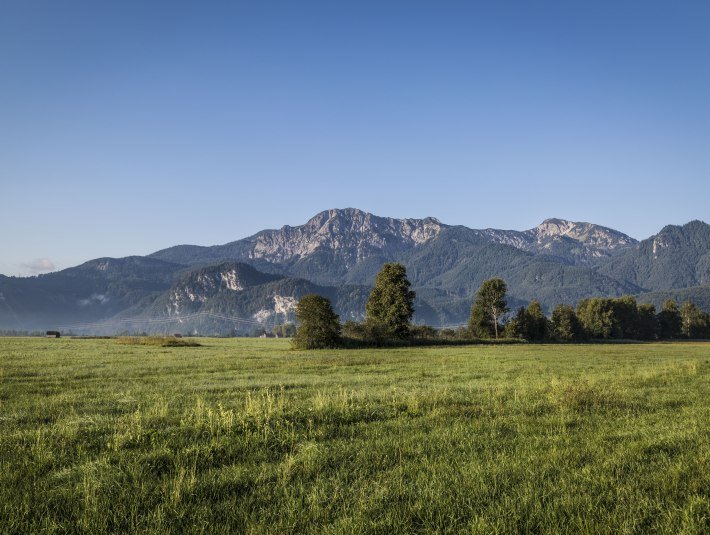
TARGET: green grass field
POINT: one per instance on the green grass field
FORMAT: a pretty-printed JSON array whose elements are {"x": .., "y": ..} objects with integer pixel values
[{"x": 247, "y": 436}]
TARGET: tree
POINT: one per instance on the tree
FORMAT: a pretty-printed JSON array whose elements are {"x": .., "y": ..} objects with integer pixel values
[
  {"x": 694, "y": 322},
  {"x": 538, "y": 326},
  {"x": 669, "y": 320},
  {"x": 626, "y": 317},
  {"x": 647, "y": 325},
  {"x": 529, "y": 323},
  {"x": 564, "y": 324},
  {"x": 487, "y": 308},
  {"x": 390, "y": 307},
  {"x": 596, "y": 315},
  {"x": 318, "y": 325},
  {"x": 516, "y": 327}
]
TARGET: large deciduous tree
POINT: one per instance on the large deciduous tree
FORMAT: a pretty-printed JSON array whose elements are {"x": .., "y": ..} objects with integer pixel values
[
  {"x": 647, "y": 323},
  {"x": 488, "y": 308},
  {"x": 694, "y": 322},
  {"x": 318, "y": 325},
  {"x": 390, "y": 307},
  {"x": 669, "y": 320},
  {"x": 564, "y": 324},
  {"x": 596, "y": 315},
  {"x": 529, "y": 323}
]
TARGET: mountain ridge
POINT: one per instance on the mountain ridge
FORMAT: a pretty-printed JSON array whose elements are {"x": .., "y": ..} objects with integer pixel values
[
  {"x": 232, "y": 288},
  {"x": 290, "y": 244}
]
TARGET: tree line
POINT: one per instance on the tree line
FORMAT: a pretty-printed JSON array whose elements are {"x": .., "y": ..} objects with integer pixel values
[
  {"x": 604, "y": 318},
  {"x": 390, "y": 308}
]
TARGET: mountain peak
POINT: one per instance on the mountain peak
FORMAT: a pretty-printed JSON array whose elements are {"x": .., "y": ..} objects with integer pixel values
[
  {"x": 353, "y": 233},
  {"x": 554, "y": 221},
  {"x": 555, "y": 226},
  {"x": 356, "y": 213},
  {"x": 340, "y": 212},
  {"x": 691, "y": 226},
  {"x": 586, "y": 233}
]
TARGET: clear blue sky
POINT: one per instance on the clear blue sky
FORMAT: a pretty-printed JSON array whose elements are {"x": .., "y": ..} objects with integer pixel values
[{"x": 127, "y": 127}]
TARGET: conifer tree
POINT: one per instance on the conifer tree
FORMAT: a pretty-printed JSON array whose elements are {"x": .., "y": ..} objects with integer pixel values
[
  {"x": 390, "y": 307},
  {"x": 318, "y": 325}
]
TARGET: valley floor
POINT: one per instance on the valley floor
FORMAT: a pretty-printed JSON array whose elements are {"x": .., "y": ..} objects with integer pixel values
[{"x": 245, "y": 435}]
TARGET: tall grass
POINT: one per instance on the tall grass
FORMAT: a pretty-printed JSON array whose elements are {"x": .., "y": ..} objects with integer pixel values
[{"x": 98, "y": 436}]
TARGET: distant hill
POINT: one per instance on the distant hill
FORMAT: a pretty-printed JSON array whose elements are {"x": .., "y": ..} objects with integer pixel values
[
  {"x": 254, "y": 282},
  {"x": 700, "y": 295},
  {"x": 93, "y": 291},
  {"x": 676, "y": 257}
]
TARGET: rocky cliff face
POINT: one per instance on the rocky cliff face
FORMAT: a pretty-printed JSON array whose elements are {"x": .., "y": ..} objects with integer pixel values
[
  {"x": 573, "y": 242},
  {"x": 198, "y": 286},
  {"x": 587, "y": 234},
  {"x": 349, "y": 236},
  {"x": 578, "y": 243},
  {"x": 353, "y": 233}
]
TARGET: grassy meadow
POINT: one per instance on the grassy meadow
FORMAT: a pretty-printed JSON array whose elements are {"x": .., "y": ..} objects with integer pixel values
[{"x": 247, "y": 436}]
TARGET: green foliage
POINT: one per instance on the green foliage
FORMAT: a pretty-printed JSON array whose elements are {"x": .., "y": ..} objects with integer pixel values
[
  {"x": 606, "y": 318},
  {"x": 669, "y": 321},
  {"x": 529, "y": 323},
  {"x": 162, "y": 341},
  {"x": 369, "y": 333},
  {"x": 626, "y": 318},
  {"x": 480, "y": 324},
  {"x": 514, "y": 327},
  {"x": 355, "y": 330},
  {"x": 623, "y": 318},
  {"x": 538, "y": 326},
  {"x": 488, "y": 308},
  {"x": 647, "y": 326},
  {"x": 694, "y": 322},
  {"x": 97, "y": 437},
  {"x": 390, "y": 306},
  {"x": 318, "y": 325},
  {"x": 461, "y": 333},
  {"x": 423, "y": 332},
  {"x": 364, "y": 335},
  {"x": 596, "y": 316},
  {"x": 564, "y": 324}
]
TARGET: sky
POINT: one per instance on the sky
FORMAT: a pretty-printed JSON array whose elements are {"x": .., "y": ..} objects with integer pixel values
[{"x": 127, "y": 127}]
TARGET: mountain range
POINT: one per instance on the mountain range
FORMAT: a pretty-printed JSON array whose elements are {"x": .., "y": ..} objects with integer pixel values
[{"x": 252, "y": 283}]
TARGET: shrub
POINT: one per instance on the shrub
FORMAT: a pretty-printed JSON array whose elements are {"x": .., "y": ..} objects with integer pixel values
[{"x": 318, "y": 325}]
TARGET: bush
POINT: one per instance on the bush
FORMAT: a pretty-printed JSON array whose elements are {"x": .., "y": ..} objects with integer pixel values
[
  {"x": 318, "y": 325},
  {"x": 162, "y": 341},
  {"x": 423, "y": 332}
]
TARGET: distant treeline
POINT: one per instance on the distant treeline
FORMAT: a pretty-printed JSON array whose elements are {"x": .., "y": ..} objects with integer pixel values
[
  {"x": 597, "y": 318},
  {"x": 389, "y": 312},
  {"x": 16, "y": 332},
  {"x": 603, "y": 318}
]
